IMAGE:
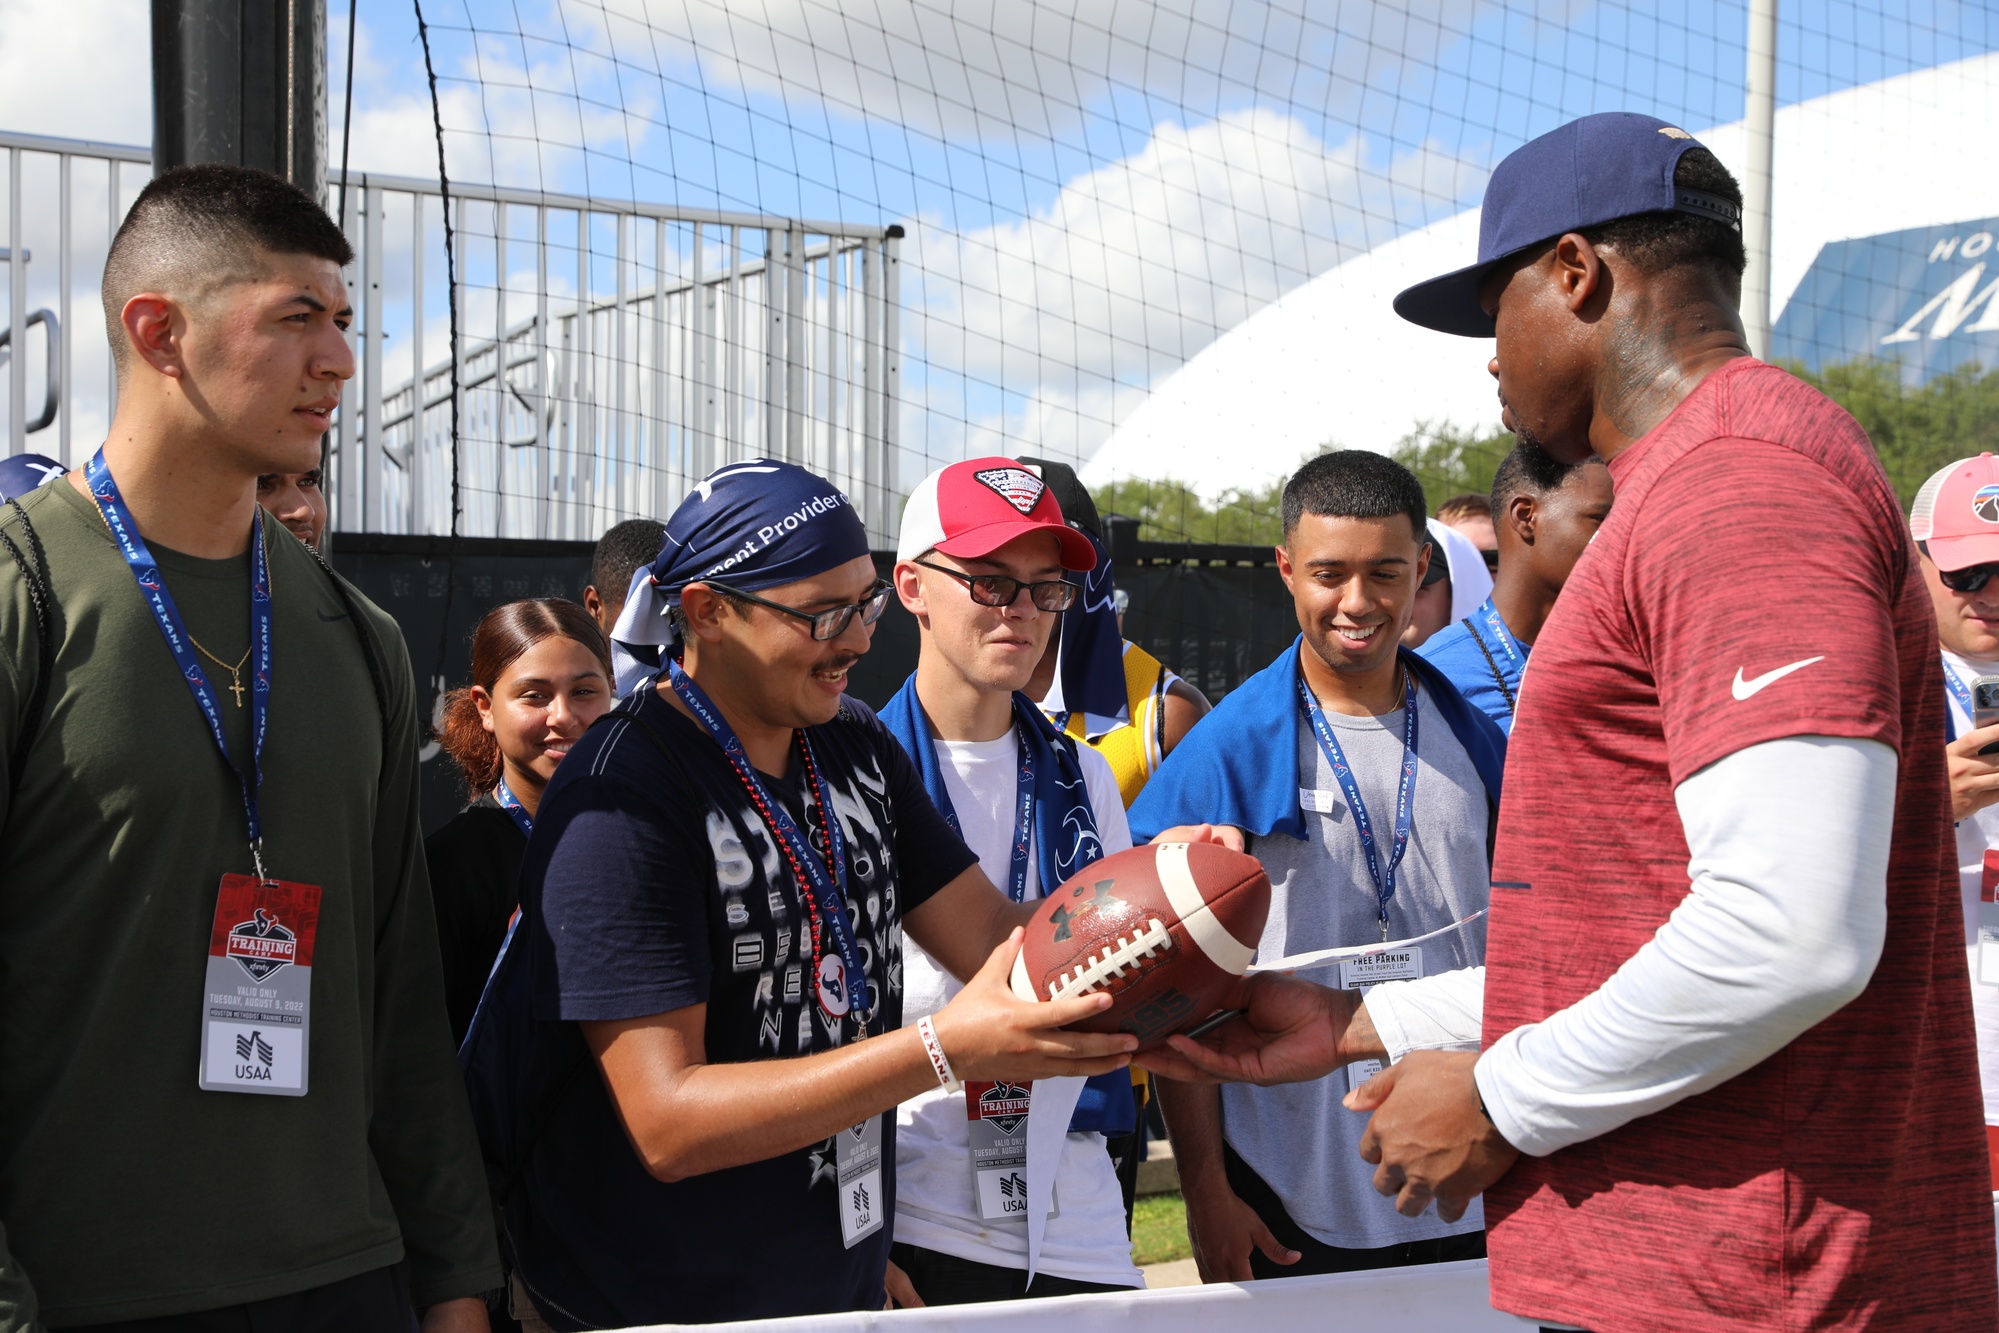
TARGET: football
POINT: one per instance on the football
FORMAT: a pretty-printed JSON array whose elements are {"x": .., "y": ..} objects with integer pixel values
[{"x": 1166, "y": 930}]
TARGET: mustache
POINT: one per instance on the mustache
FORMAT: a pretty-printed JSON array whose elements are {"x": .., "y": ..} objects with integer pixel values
[{"x": 836, "y": 662}]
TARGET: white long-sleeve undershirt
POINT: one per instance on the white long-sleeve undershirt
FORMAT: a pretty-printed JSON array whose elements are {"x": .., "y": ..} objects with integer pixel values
[{"x": 1782, "y": 926}]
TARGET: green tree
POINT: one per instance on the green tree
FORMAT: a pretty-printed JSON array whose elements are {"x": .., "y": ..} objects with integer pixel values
[
  {"x": 1450, "y": 460},
  {"x": 1171, "y": 511},
  {"x": 1915, "y": 430}
]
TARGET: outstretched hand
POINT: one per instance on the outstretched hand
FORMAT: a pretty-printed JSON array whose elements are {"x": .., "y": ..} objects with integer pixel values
[
  {"x": 1290, "y": 1031},
  {"x": 989, "y": 1033},
  {"x": 1430, "y": 1139}
]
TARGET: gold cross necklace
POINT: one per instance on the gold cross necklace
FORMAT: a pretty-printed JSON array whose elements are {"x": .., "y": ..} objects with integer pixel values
[
  {"x": 235, "y": 672},
  {"x": 235, "y": 676}
]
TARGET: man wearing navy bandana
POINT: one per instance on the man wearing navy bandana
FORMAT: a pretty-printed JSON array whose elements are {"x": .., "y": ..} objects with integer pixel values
[{"x": 685, "y": 1066}]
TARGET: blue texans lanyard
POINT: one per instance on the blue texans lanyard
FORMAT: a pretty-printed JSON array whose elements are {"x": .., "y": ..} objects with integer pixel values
[
  {"x": 1490, "y": 615},
  {"x": 822, "y": 882},
  {"x": 1023, "y": 821},
  {"x": 153, "y": 588},
  {"x": 1958, "y": 689},
  {"x": 515, "y": 810},
  {"x": 1405, "y": 796}
]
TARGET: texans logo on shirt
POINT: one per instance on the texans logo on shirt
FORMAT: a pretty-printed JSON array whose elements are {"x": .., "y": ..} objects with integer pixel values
[{"x": 1017, "y": 486}]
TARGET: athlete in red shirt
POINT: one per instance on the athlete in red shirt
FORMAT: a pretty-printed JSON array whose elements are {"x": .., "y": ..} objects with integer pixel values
[{"x": 1728, "y": 1078}]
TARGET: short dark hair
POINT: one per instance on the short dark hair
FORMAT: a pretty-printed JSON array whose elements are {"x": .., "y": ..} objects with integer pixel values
[
  {"x": 1656, "y": 242},
  {"x": 1531, "y": 470},
  {"x": 1469, "y": 505},
  {"x": 195, "y": 229},
  {"x": 620, "y": 552},
  {"x": 1354, "y": 483}
]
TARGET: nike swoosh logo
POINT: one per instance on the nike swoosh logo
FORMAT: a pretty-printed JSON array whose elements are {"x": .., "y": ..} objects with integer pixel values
[
  {"x": 1743, "y": 689},
  {"x": 329, "y": 619}
]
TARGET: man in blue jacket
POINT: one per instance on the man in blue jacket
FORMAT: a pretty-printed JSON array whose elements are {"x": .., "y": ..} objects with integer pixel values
[{"x": 1367, "y": 786}]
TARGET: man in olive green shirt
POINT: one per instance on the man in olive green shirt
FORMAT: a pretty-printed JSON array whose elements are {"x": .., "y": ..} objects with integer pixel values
[{"x": 127, "y": 1191}]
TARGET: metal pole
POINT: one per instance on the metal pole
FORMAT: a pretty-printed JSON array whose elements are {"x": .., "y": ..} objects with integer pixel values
[
  {"x": 66, "y": 221},
  {"x": 502, "y": 456},
  {"x": 17, "y": 312},
  {"x": 367, "y": 460},
  {"x": 794, "y": 349},
  {"x": 1757, "y": 180},
  {"x": 543, "y": 380},
  {"x": 243, "y": 84},
  {"x": 890, "y": 511},
  {"x": 414, "y": 472}
]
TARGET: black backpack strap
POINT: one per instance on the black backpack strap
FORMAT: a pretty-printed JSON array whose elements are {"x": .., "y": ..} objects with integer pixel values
[
  {"x": 41, "y": 598},
  {"x": 545, "y": 1116},
  {"x": 376, "y": 676},
  {"x": 1498, "y": 676}
]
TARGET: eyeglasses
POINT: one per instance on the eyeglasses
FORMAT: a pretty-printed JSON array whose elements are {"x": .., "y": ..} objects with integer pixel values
[
  {"x": 1491, "y": 559},
  {"x": 830, "y": 623},
  {"x": 1001, "y": 590},
  {"x": 1972, "y": 579}
]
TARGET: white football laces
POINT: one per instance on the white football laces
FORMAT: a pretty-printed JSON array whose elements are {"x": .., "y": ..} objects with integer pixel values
[{"x": 1113, "y": 961}]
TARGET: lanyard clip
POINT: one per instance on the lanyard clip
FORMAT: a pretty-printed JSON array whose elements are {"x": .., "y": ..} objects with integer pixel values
[
  {"x": 257, "y": 861},
  {"x": 1384, "y": 927}
]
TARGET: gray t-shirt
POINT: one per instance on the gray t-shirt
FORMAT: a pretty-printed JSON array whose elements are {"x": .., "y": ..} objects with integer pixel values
[{"x": 1298, "y": 1137}]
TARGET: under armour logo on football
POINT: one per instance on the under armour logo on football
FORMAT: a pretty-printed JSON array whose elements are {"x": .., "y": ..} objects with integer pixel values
[
  {"x": 1016, "y": 485},
  {"x": 248, "y": 1043}
]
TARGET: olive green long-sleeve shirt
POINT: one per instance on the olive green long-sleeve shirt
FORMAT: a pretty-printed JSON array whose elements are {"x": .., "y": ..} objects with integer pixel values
[{"x": 125, "y": 1191}]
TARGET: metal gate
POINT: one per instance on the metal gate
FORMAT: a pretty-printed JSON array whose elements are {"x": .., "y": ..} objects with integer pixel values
[{"x": 610, "y": 353}]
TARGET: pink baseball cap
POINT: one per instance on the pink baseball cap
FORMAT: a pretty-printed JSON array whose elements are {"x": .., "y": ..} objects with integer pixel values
[
  {"x": 1956, "y": 514},
  {"x": 973, "y": 508}
]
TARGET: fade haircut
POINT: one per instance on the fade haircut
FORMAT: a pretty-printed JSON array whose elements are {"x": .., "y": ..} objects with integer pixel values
[
  {"x": 195, "y": 230},
  {"x": 1532, "y": 470},
  {"x": 620, "y": 552},
  {"x": 1656, "y": 242},
  {"x": 1354, "y": 483}
]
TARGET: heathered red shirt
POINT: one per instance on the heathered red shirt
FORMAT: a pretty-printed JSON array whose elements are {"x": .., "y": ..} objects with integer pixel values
[{"x": 1840, "y": 1184}]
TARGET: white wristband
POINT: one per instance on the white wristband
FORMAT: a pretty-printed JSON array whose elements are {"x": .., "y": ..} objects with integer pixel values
[{"x": 935, "y": 1050}]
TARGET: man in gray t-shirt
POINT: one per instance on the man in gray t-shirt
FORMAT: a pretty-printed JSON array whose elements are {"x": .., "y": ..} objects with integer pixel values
[{"x": 1365, "y": 784}]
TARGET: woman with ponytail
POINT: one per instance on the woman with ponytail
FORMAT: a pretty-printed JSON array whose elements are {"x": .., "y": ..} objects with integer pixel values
[{"x": 541, "y": 674}]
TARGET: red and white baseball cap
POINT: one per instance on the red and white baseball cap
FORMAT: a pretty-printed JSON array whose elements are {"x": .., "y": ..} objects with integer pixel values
[
  {"x": 973, "y": 508},
  {"x": 1956, "y": 514}
]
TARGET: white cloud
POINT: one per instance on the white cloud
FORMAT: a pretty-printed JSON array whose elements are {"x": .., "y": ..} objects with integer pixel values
[
  {"x": 78, "y": 69},
  {"x": 1073, "y": 312},
  {"x": 1002, "y": 67}
]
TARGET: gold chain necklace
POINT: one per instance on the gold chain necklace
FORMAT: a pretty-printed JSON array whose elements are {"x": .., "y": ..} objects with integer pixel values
[
  {"x": 235, "y": 677},
  {"x": 235, "y": 672}
]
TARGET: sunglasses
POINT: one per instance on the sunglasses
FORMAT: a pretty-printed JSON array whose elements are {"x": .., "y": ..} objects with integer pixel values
[
  {"x": 1972, "y": 579},
  {"x": 1001, "y": 590},
  {"x": 828, "y": 624}
]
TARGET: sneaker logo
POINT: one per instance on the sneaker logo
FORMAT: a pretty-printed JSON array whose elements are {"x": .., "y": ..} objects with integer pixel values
[{"x": 1743, "y": 689}]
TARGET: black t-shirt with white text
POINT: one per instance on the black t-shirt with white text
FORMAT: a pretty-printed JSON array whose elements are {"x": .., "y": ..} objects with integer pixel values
[{"x": 650, "y": 886}]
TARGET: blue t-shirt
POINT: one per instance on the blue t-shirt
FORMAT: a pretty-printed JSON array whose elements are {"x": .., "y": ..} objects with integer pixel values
[
  {"x": 650, "y": 886},
  {"x": 1477, "y": 671}
]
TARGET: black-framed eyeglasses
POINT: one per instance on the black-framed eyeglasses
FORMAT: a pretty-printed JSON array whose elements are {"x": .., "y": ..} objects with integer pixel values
[
  {"x": 1491, "y": 559},
  {"x": 1972, "y": 579},
  {"x": 828, "y": 624},
  {"x": 1002, "y": 589}
]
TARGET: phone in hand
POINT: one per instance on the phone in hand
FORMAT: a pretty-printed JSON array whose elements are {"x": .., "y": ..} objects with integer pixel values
[{"x": 1985, "y": 707}]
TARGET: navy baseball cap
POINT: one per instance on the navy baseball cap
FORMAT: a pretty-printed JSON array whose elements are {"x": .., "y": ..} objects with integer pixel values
[{"x": 1590, "y": 171}]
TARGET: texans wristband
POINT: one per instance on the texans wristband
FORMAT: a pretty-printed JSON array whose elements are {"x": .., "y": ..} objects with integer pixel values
[{"x": 935, "y": 1050}]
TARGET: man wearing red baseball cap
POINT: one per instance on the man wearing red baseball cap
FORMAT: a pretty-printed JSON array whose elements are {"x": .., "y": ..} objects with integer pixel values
[
  {"x": 1955, "y": 521},
  {"x": 983, "y": 563}
]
